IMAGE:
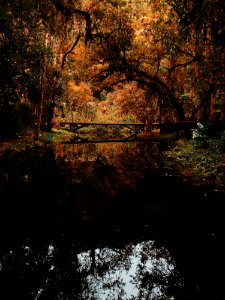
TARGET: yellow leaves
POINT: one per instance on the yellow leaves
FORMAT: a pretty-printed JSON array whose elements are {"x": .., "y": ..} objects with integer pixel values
[
  {"x": 72, "y": 85},
  {"x": 140, "y": 37},
  {"x": 81, "y": 91},
  {"x": 108, "y": 113},
  {"x": 96, "y": 68}
]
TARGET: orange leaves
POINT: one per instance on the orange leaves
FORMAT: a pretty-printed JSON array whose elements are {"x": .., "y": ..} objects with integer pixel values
[
  {"x": 133, "y": 100},
  {"x": 80, "y": 91},
  {"x": 129, "y": 98},
  {"x": 72, "y": 85}
]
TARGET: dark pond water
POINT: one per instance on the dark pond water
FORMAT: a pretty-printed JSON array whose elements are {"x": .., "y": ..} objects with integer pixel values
[{"x": 107, "y": 221}]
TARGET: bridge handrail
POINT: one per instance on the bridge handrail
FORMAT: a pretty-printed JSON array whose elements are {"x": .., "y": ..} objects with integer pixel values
[{"x": 90, "y": 123}]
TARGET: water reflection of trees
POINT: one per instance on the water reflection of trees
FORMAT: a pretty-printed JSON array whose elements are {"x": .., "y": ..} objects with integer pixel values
[
  {"x": 61, "y": 271},
  {"x": 116, "y": 153},
  {"x": 110, "y": 166},
  {"x": 54, "y": 209},
  {"x": 137, "y": 271}
]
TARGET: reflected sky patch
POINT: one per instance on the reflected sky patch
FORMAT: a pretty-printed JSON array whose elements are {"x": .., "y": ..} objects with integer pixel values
[{"x": 127, "y": 273}]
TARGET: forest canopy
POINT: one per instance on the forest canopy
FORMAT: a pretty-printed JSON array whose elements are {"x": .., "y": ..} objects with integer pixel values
[{"x": 140, "y": 61}]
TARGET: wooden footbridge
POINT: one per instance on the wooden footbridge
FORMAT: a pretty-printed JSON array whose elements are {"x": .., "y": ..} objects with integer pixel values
[
  {"x": 132, "y": 128},
  {"x": 109, "y": 132},
  {"x": 117, "y": 128}
]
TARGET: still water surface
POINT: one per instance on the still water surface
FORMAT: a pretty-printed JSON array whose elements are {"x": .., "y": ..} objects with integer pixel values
[{"x": 107, "y": 221}]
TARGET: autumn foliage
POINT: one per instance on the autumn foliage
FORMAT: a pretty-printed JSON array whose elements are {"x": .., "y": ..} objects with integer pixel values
[{"x": 144, "y": 61}]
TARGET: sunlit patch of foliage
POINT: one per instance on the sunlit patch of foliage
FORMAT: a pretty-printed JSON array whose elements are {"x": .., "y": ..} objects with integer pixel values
[{"x": 58, "y": 135}]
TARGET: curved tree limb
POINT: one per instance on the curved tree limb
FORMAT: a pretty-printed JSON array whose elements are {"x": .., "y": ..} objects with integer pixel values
[
  {"x": 70, "y": 50},
  {"x": 159, "y": 87},
  {"x": 144, "y": 79}
]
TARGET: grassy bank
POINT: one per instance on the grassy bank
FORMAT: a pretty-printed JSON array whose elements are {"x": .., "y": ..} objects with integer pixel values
[{"x": 200, "y": 159}]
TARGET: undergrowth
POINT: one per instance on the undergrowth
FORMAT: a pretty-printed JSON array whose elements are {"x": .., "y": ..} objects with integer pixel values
[{"x": 200, "y": 159}]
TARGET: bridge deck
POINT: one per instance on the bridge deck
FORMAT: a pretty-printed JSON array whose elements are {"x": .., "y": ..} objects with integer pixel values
[{"x": 135, "y": 128}]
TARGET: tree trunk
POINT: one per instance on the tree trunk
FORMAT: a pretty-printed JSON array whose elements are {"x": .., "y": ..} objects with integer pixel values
[
  {"x": 205, "y": 100},
  {"x": 40, "y": 108}
]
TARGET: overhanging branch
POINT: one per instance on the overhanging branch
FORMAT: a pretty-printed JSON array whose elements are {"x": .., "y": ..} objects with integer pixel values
[
  {"x": 69, "y": 9},
  {"x": 70, "y": 50}
]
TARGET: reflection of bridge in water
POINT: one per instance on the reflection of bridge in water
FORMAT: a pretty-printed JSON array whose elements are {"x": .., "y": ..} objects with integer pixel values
[{"x": 108, "y": 132}]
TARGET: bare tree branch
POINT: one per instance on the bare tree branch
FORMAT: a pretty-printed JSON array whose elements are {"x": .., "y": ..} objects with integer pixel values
[{"x": 70, "y": 50}]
